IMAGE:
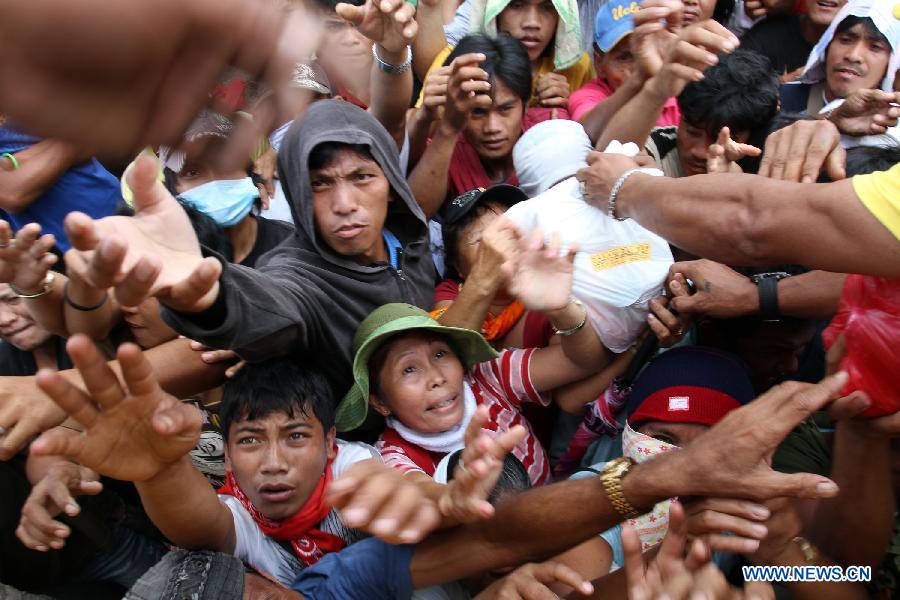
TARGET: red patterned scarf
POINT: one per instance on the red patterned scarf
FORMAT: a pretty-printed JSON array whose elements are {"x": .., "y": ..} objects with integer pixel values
[{"x": 309, "y": 543}]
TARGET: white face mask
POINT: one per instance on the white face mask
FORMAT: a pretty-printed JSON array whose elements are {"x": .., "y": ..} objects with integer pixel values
[
  {"x": 651, "y": 527},
  {"x": 225, "y": 201}
]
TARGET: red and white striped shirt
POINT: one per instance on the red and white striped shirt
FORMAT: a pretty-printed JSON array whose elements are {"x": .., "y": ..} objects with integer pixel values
[{"x": 502, "y": 384}]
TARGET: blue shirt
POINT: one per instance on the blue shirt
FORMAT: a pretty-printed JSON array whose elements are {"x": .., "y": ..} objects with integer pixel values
[
  {"x": 393, "y": 247},
  {"x": 362, "y": 571},
  {"x": 88, "y": 188}
]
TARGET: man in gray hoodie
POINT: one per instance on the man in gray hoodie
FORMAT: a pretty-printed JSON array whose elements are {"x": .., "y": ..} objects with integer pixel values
[{"x": 361, "y": 241}]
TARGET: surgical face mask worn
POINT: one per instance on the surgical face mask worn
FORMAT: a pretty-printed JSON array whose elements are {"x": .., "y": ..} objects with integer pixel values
[{"x": 225, "y": 201}]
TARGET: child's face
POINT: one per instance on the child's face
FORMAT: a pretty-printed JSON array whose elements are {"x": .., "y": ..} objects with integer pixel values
[
  {"x": 421, "y": 383},
  {"x": 278, "y": 460},
  {"x": 677, "y": 434},
  {"x": 616, "y": 65}
]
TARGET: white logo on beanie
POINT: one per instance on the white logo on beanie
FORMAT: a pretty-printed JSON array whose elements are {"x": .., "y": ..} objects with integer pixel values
[{"x": 679, "y": 403}]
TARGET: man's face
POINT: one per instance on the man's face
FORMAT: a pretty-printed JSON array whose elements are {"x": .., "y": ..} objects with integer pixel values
[
  {"x": 343, "y": 50},
  {"x": 494, "y": 131},
  {"x": 677, "y": 434},
  {"x": 16, "y": 325},
  {"x": 697, "y": 10},
  {"x": 146, "y": 324},
  {"x": 616, "y": 65},
  {"x": 822, "y": 12},
  {"x": 350, "y": 201},
  {"x": 693, "y": 146},
  {"x": 422, "y": 383},
  {"x": 854, "y": 61},
  {"x": 278, "y": 460},
  {"x": 773, "y": 353},
  {"x": 532, "y": 22},
  {"x": 201, "y": 165}
]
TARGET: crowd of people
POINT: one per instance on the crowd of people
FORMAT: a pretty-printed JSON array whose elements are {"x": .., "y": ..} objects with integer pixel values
[{"x": 449, "y": 299}]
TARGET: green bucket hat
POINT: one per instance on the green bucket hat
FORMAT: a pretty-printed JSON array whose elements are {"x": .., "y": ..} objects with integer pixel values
[{"x": 382, "y": 323}]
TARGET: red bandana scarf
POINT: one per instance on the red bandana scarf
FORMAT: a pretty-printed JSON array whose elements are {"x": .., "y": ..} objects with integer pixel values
[{"x": 309, "y": 543}]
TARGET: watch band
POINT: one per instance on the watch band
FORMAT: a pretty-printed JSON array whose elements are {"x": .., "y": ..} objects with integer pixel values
[
  {"x": 611, "y": 479},
  {"x": 768, "y": 298}
]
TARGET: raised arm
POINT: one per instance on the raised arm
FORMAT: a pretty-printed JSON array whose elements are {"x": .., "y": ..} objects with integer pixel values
[
  {"x": 467, "y": 90},
  {"x": 391, "y": 27},
  {"x": 690, "y": 52},
  {"x": 161, "y": 431},
  {"x": 431, "y": 39},
  {"x": 743, "y": 219}
]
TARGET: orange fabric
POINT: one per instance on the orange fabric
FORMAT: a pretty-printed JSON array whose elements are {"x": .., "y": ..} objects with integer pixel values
[{"x": 494, "y": 328}]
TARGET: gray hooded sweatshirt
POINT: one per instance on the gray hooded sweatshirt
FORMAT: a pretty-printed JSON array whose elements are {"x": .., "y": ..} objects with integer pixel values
[{"x": 304, "y": 299}]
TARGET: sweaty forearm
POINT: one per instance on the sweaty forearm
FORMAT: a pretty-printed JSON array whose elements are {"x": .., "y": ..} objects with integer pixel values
[
  {"x": 600, "y": 117},
  {"x": 635, "y": 120},
  {"x": 428, "y": 181},
  {"x": 202, "y": 522},
  {"x": 748, "y": 220}
]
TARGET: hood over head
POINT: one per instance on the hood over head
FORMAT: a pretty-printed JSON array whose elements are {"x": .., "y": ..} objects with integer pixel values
[{"x": 342, "y": 122}]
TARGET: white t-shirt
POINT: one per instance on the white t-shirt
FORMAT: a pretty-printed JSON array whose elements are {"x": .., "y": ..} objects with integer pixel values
[{"x": 265, "y": 554}]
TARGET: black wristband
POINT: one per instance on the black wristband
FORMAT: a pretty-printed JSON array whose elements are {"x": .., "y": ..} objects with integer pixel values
[
  {"x": 82, "y": 307},
  {"x": 768, "y": 298}
]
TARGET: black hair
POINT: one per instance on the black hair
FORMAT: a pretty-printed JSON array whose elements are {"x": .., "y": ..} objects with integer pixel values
[
  {"x": 740, "y": 91},
  {"x": 452, "y": 232},
  {"x": 507, "y": 60},
  {"x": 276, "y": 386},
  {"x": 513, "y": 479},
  {"x": 324, "y": 154},
  {"x": 869, "y": 159},
  {"x": 852, "y": 21}
]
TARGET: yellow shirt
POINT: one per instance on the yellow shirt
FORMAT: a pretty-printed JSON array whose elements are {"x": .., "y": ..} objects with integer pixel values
[
  {"x": 880, "y": 193},
  {"x": 577, "y": 75}
]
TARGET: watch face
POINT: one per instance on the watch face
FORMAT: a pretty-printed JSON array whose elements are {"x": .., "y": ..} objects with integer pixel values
[{"x": 777, "y": 275}]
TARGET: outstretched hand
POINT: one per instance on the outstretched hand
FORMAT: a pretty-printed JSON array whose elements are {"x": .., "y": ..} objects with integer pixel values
[
  {"x": 131, "y": 432},
  {"x": 540, "y": 277},
  {"x": 25, "y": 258},
  {"x": 801, "y": 150},
  {"x": 867, "y": 112},
  {"x": 722, "y": 156},
  {"x": 53, "y": 495},
  {"x": 153, "y": 253},
  {"x": 467, "y": 89},
  {"x": 736, "y": 453},
  {"x": 478, "y": 469}
]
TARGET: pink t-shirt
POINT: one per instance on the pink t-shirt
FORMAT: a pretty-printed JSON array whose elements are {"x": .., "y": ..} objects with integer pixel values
[{"x": 590, "y": 94}]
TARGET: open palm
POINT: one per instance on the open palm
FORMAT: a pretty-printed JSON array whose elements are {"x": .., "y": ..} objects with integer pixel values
[
  {"x": 159, "y": 237},
  {"x": 541, "y": 278},
  {"x": 129, "y": 435}
]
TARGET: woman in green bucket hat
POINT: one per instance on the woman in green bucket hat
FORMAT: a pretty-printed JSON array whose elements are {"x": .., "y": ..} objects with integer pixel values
[{"x": 427, "y": 378}]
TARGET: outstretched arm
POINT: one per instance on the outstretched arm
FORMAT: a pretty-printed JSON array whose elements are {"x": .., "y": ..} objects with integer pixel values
[
  {"x": 732, "y": 455},
  {"x": 743, "y": 220},
  {"x": 40, "y": 166},
  {"x": 161, "y": 431}
]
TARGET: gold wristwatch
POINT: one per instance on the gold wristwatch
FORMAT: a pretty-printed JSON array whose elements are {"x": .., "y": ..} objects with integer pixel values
[{"x": 611, "y": 478}]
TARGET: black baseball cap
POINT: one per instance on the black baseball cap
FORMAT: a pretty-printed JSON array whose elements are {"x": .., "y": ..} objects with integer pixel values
[{"x": 502, "y": 193}]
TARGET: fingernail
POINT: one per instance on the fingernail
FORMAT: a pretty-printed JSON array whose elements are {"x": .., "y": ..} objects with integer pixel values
[
  {"x": 699, "y": 596},
  {"x": 384, "y": 525},
  {"x": 207, "y": 356},
  {"x": 759, "y": 530},
  {"x": 827, "y": 488},
  {"x": 409, "y": 535},
  {"x": 355, "y": 515},
  {"x": 143, "y": 271},
  {"x": 165, "y": 422},
  {"x": 760, "y": 512}
]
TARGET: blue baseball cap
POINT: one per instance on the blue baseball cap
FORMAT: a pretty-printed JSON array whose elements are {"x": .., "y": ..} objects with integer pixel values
[{"x": 614, "y": 22}]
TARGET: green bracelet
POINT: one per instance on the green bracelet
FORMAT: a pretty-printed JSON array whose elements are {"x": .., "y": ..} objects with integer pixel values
[{"x": 12, "y": 158}]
